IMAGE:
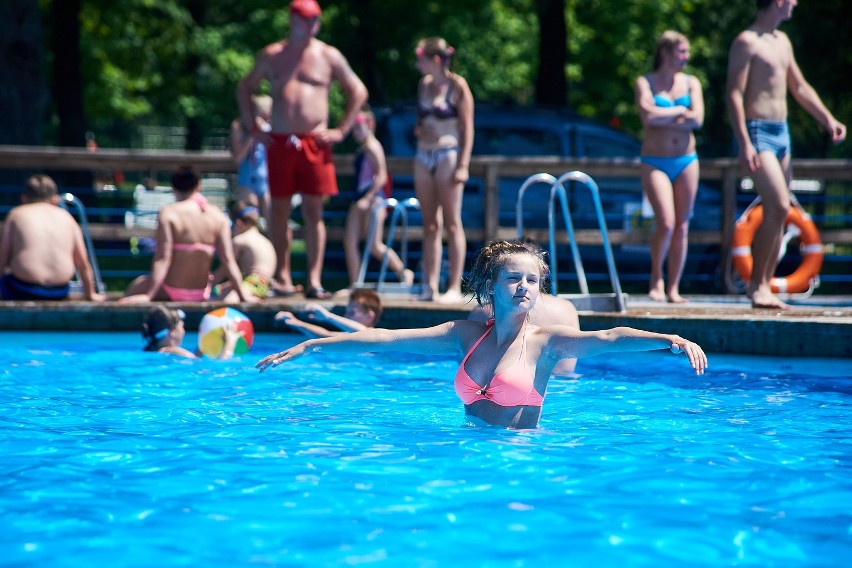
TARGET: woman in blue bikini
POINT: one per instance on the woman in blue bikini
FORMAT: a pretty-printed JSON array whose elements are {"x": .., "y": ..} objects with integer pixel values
[{"x": 671, "y": 107}]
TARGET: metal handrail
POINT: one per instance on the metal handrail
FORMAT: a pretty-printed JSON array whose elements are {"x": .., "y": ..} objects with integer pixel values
[
  {"x": 557, "y": 190},
  {"x": 69, "y": 201},
  {"x": 399, "y": 211}
]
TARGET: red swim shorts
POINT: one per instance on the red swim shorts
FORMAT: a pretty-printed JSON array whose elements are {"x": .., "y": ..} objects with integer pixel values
[{"x": 298, "y": 164}]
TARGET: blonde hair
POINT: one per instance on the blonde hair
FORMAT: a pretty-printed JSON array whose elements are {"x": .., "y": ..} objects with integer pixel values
[
  {"x": 493, "y": 257},
  {"x": 668, "y": 42}
]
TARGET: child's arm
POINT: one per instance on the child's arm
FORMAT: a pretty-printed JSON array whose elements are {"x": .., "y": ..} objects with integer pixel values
[
  {"x": 342, "y": 323},
  {"x": 303, "y": 327}
]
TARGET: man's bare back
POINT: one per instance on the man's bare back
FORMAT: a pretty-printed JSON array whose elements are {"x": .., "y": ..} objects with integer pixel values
[{"x": 43, "y": 240}]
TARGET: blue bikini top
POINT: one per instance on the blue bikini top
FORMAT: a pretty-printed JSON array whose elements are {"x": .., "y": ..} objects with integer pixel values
[{"x": 666, "y": 101}]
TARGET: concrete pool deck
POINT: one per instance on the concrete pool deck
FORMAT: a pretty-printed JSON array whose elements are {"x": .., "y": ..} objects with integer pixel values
[{"x": 815, "y": 327}]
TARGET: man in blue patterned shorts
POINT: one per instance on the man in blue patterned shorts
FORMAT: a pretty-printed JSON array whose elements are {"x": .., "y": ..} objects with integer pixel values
[{"x": 761, "y": 68}]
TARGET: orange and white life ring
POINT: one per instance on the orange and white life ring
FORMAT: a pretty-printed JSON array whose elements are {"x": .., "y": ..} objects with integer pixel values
[{"x": 811, "y": 246}]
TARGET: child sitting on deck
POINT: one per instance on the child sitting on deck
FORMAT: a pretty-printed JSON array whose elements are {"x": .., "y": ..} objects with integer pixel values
[
  {"x": 372, "y": 184},
  {"x": 254, "y": 253},
  {"x": 362, "y": 312}
]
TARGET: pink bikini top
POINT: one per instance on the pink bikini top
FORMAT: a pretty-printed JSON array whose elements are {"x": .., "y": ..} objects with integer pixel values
[
  {"x": 202, "y": 203},
  {"x": 510, "y": 387},
  {"x": 194, "y": 246}
]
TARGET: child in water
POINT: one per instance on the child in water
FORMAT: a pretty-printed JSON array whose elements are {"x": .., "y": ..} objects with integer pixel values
[
  {"x": 163, "y": 330},
  {"x": 362, "y": 312}
]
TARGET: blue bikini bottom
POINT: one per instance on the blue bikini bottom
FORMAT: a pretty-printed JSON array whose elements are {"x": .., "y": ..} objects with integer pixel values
[{"x": 673, "y": 166}]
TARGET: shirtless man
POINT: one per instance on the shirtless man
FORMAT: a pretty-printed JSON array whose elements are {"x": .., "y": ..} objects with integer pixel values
[
  {"x": 300, "y": 71},
  {"x": 761, "y": 68},
  {"x": 41, "y": 246}
]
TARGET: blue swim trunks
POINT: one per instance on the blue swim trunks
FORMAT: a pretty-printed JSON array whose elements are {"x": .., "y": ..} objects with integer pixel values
[
  {"x": 12, "y": 288},
  {"x": 769, "y": 136}
]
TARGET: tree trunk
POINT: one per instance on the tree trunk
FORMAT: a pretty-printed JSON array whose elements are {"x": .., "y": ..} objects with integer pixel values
[
  {"x": 23, "y": 91},
  {"x": 194, "y": 134},
  {"x": 551, "y": 83},
  {"x": 67, "y": 76},
  {"x": 369, "y": 22}
]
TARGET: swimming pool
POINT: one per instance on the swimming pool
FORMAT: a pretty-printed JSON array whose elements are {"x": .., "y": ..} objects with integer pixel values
[{"x": 116, "y": 457}]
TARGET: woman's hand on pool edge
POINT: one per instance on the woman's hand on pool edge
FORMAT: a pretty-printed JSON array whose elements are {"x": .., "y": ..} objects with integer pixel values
[{"x": 697, "y": 357}]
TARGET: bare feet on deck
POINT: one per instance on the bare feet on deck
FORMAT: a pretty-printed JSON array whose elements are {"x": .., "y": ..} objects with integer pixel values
[
  {"x": 407, "y": 277},
  {"x": 676, "y": 298},
  {"x": 766, "y": 300},
  {"x": 451, "y": 297},
  {"x": 283, "y": 290},
  {"x": 427, "y": 295},
  {"x": 657, "y": 292}
]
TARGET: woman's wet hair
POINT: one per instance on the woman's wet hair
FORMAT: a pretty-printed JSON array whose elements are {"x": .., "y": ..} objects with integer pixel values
[
  {"x": 432, "y": 46},
  {"x": 493, "y": 257},
  {"x": 158, "y": 322},
  {"x": 667, "y": 42}
]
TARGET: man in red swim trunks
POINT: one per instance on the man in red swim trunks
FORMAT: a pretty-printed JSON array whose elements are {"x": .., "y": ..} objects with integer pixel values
[{"x": 300, "y": 70}]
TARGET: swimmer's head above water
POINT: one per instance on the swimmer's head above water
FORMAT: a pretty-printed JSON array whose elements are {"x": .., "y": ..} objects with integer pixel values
[
  {"x": 160, "y": 323},
  {"x": 492, "y": 258}
]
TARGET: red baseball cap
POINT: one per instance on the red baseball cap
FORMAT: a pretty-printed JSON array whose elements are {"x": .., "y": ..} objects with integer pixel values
[{"x": 305, "y": 8}]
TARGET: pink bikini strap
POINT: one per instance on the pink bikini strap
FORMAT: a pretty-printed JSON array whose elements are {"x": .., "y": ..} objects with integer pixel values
[
  {"x": 200, "y": 200},
  {"x": 490, "y": 324}
]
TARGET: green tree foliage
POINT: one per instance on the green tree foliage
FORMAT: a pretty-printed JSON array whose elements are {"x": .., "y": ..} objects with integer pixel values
[{"x": 177, "y": 62}]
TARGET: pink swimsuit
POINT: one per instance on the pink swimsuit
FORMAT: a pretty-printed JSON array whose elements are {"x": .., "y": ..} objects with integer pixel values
[
  {"x": 510, "y": 387},
  {"x": 191, "y": 294}
]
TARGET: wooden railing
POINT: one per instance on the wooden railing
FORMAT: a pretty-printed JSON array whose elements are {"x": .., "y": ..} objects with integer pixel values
[{"x": 490, "y": 168}]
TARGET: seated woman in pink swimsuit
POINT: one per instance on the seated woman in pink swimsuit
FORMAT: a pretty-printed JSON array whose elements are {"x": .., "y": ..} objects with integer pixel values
[
  {"x": 506, "y": 362},
  {"x": 189, "y": 233}
]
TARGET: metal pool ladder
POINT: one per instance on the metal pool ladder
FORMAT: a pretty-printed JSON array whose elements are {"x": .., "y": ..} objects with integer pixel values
[
  {"x": 584, "y": 301},
  {"x": 74, "y": 206},
  {"x": 399, "y": 211}
]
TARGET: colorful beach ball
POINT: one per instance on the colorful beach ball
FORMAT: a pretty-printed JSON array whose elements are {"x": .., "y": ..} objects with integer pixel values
[{"x": 211, "y": 331}]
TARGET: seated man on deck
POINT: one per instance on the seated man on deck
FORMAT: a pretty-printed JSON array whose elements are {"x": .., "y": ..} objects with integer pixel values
[{"x": 41, "y": 246}]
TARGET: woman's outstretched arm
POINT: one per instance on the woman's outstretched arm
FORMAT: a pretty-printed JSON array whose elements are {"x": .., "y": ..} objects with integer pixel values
[
  {"x": 569, "y": 342},
  {"x": 444, "y": 339}
]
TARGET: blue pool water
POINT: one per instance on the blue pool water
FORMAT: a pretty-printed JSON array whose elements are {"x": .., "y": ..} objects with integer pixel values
[{"x": 114, "y": 457}]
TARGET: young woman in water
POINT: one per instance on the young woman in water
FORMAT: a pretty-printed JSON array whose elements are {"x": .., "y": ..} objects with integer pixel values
[{"x": 505, "y": 362}]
